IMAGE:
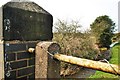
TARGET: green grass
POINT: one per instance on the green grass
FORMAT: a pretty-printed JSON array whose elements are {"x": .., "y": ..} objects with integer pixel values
[{"x": 114, "y": 60}]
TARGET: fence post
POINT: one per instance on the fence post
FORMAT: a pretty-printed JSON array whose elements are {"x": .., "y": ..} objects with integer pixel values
[{"x": 45, "y": 65}]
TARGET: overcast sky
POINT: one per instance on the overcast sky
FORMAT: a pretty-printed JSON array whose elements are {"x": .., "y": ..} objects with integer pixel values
[{"x": 85, "y": 11}]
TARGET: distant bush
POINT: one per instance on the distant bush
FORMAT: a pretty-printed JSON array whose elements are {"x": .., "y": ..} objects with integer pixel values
[
  {"x": 103, "y": 28},
  {"x": 79, "y": 45},
  {"x": 73, "y": 42}
]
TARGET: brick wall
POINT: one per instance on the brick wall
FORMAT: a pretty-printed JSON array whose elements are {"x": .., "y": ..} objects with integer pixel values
[
  {"x": 22, "y": 24},
  {"x": 19, "y": 64}
]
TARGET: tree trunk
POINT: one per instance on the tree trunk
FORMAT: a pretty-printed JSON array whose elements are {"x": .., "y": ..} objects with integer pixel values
[{"x": 111, "y": 68}]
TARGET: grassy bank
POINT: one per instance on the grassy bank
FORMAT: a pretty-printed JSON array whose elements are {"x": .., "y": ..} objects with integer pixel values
[{"x": 114, "y": 60}]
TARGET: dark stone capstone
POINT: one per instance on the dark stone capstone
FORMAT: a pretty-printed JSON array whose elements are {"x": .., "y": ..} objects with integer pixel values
[{"x": 26, "y": 21}]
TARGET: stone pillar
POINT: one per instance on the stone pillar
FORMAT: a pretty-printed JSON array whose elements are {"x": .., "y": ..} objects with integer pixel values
[
  {"x": 1, "y": 46},
  {"x": 1, "y": 61},
  {"x": 45, "y": 65}
]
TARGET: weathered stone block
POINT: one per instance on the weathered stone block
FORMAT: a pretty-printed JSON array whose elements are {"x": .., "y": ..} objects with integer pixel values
[
  {"x": 26, "y": 21},
  {"x": 46, "y": 66}
]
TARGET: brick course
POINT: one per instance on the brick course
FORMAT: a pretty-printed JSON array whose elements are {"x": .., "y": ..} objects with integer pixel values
[
  {"x": 26, "y": 71},
  {"x": 22, "y": 63}
]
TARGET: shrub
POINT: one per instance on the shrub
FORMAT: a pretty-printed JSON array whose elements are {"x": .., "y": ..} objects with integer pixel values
[{"x": 73, "y": 42}]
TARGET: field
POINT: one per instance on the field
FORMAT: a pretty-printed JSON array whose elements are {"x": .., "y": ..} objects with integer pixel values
[{"x": 114, "y": 60}]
